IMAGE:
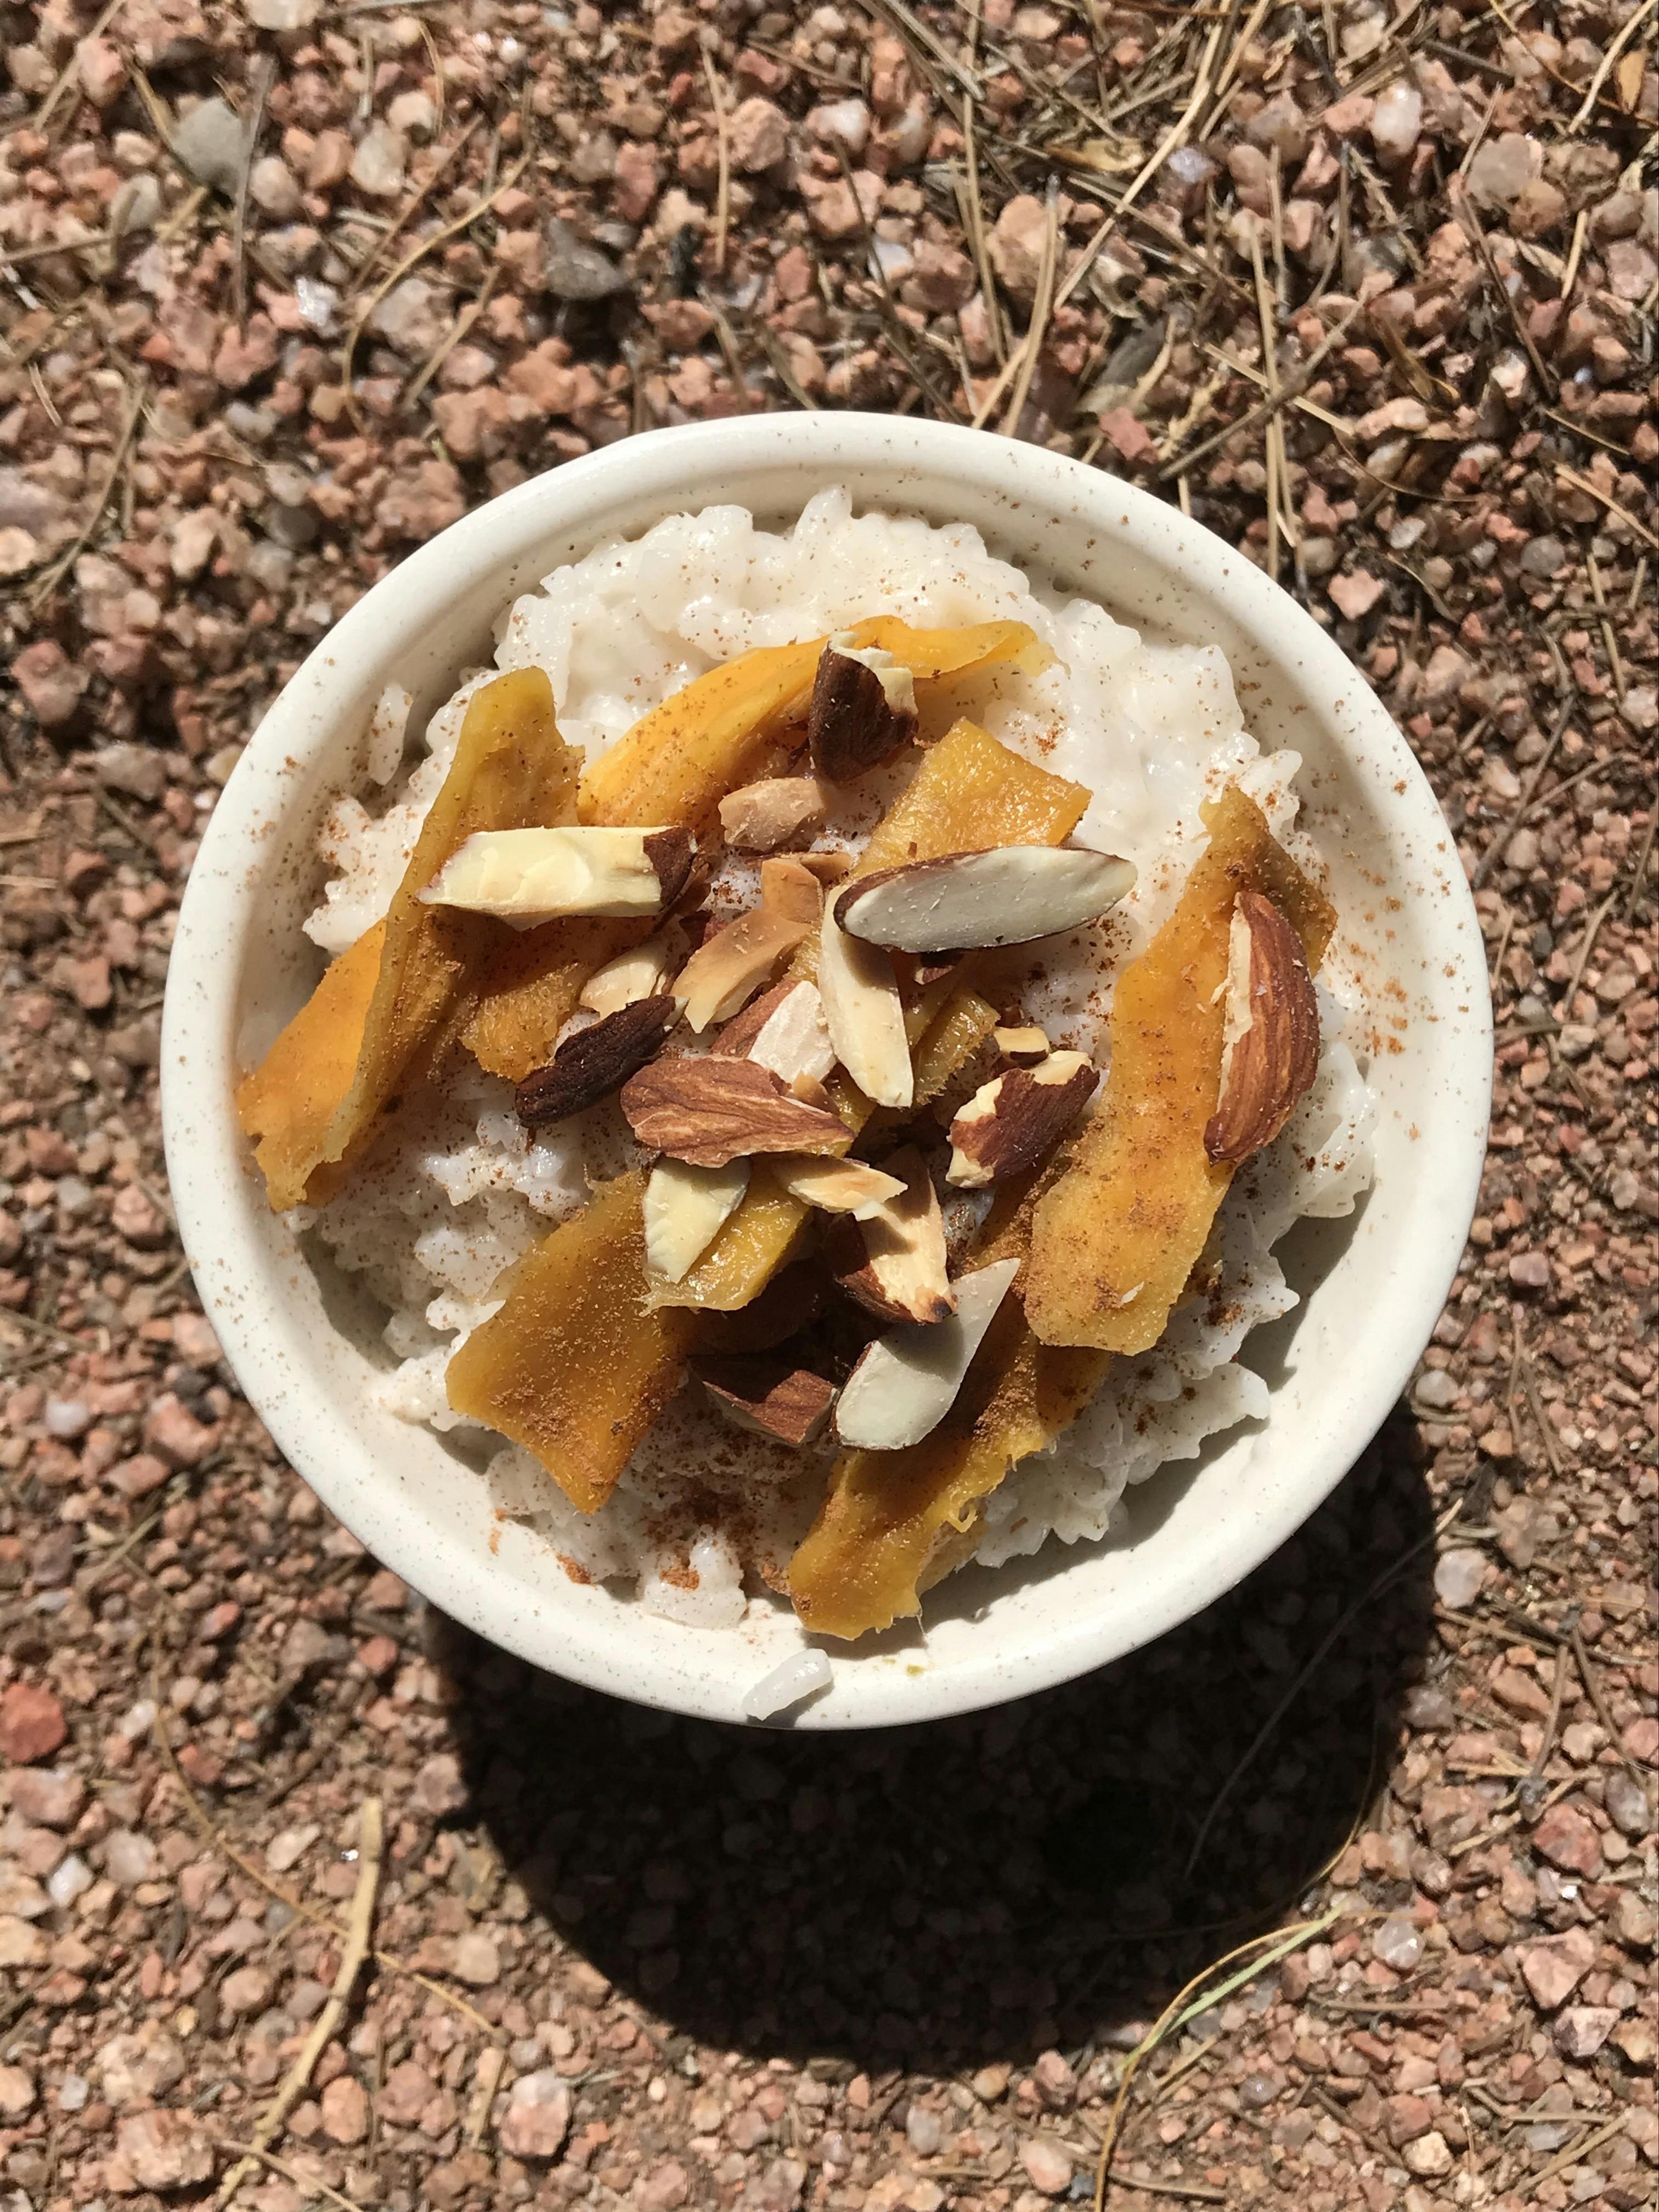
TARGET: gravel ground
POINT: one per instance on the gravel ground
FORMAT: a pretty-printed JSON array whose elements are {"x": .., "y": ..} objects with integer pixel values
[{"x": 286, "y": 291}]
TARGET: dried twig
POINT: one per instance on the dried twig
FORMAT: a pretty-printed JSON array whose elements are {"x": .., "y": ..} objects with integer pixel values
[
  {"x": 1574, "y": 2155},
  {"x": 723, "y": 156},
  {"x": 910, "y": 27},
  {"x": 66, "y": 76},
  {"x": 1291, "y": 388},
  {"x": 492, "y": 2060},
  {"x": 1546, "y": 1744},
  {"x": 1041, "y": 309},
  {"x": 292, "y": 2087},
  {"x": 978, "y": 235},
  {"x": 1597, "y": 1696},
  {"x": 1260, "y": 1952},
  {"x": 1616, "y": 45},
  {"x": 1276, "y": 462},
  {"x": 264, "y": 75},
  {"x": 297, "y": 1905},
  {"x": 1586, "y": 484},
  {"x": 480, "y": 207},
  {"x": 309, "y": 2185},
  {"x": 1462, "y": 205},
  {"x": 49, "y": 579}
]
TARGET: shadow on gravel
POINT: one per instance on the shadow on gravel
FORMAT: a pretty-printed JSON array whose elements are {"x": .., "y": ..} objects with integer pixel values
[{"x": 976, "y": 1890}]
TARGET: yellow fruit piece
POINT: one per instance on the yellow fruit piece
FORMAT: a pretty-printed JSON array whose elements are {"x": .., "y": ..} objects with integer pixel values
[
  {"x": 530, "y": 985},
  {"x": 678, "y": 763},
  {"x": 943, "y": 653},
  {"x": 763, "y": 1235},
  {"x": 1116, "y": 1237},
  {"x": 512, "y": 769},
  {"x": 290, "y": 1098},
  {"x": 952, "y": 1038},
  {"x": 892, "y": 1523},
  {"x": 971, "y": 793},
  {"x": 574, "y": 1366}
]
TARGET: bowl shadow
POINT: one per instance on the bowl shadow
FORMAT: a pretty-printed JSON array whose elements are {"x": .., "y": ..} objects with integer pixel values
[{"x": 975, "y": 1889}]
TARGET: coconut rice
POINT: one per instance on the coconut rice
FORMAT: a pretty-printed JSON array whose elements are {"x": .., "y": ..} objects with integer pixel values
[{"x": 706, "y": 1517}]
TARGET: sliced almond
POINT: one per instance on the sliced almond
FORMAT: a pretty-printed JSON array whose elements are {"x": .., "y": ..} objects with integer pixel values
[
  {"x": 865, "y": 1014},
  {"x": 1009, "y": 896},
  {"x": 900, "y": 1272},
  {"x": 639, "y": 973},
  {"x": 761, "y": 817},
  {"x": 594, "y": 1061},
  {"x": 1017, "y": 1118},
  {"x": 863, "y": 708},
  {"x": 784, "y": 1030},
  {"x": 839, "y": 1185},
  {"x": 1025, "y": 1045},
  {"x": 736, "y": 1037},
  {"x": 685, "y": 1210},
  {"x": 1270, "y": 1039},
  {"x": 906, "y": 1382},
  {"x": 730, "y": 966},
  {"x": 710, "y": 1109},
  {"x": 770, "y": 1397},
  {"x": 828, "y": 867},
  {"x": 530, "y": 875}
]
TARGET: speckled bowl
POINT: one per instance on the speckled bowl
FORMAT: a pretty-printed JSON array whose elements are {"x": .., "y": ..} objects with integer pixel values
[{"x": 305, "y": 1345}]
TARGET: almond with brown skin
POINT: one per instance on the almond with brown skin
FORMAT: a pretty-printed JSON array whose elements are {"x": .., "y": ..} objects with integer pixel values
[
  {"x": 1017, "y": 1118},
  {"x": 1270, "y": 1043},
  {"x": 732, "y": 963},
  {"x": 761, "y": 817},
  {"x": 828, "y": 867},
  {"x": 839, "y": 1185},
  {"x": 859, "y": 985},
  {"x": 770, "y": 1397},
  {"x": 894, "y": 1262},
  {"x": 526, "y": 876},
  {"x": 641, "y": 972},
  {"x": 784, "y": 1030},
  {"x": 670, "y": 851},
  {"x": 593, "y": 1062},
  {"x": 1011, "y": 894},
  {"x": 711, "y": 1110},
  {"x": 906, "y": 1382},
  {"x": 1024, "y": 1044},
  {"x": 863, "y": 709}
]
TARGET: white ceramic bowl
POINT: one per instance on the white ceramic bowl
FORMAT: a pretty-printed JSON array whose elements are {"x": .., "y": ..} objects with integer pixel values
[{"x": 305, "y": 1350}]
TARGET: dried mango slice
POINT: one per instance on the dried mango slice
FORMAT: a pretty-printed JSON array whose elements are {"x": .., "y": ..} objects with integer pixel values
[
  {"x": 941, "y": 653},
  {"x": 893, "y": 1522},
  {"x": 530, "y": 985},
  {"x": 574, "y": 1366},
  {"x": 512, "y": 769},
  {"x": 1116, "y": 1239},
  {"x": 679, "y": 762},
  {"x": 966, "y": 789},
  {"x": 951, "y": 1039},
  {"x": 971, "y": 793},
  {"x": 292, "y": 1096}
]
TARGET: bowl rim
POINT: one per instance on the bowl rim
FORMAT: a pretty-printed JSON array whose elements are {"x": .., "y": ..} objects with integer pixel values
[{"x": 678, "y": 466}]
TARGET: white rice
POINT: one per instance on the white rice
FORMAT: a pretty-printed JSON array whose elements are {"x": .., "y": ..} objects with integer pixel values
[{"x": 1152, "y": 730}]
